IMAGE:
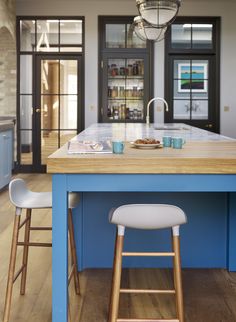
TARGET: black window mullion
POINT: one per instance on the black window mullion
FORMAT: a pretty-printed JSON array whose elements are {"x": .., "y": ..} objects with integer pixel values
[
  {"x": 59, "y": 35},
  {"x": 59, "y": 102},
  {"x": 191, "y": 85}
]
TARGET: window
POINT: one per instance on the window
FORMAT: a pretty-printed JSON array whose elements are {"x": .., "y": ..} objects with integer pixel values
[{"x": 51, "y": 35}]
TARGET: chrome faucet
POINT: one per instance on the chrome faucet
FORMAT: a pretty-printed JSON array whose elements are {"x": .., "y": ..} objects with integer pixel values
[{"x": 150, "y": 102}]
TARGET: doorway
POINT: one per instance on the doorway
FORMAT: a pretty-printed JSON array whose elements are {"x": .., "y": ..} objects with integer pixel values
[
  {"x": 57, "y": 113},
  {"x": 50, "y": 91},
  {"x": 192, "y": 72}
]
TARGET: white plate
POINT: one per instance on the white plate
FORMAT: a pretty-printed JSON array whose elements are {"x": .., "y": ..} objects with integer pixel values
[{"x": 147, "y": 146}]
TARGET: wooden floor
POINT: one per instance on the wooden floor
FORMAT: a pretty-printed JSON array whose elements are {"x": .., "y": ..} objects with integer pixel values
[{"x": 209, "y": 295}]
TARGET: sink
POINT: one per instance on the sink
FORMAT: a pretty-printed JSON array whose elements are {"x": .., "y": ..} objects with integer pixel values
[{"x": 169, "y": 127}]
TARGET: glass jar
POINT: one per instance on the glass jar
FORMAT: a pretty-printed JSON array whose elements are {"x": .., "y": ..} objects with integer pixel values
[
  {"x": 114, "y": 92},
  {"x": 113, "y": 70},
  {"x": 122, "y": 91},
  {"x": 131, "y": 114},
  {"x": 115, "y": 113},
  {"x": 135, "y": 91},
  {"x": 130, "y": 70},
  {"x": 135, "y": 69},
  {"x": 109, "y": 91},
  {"x": 122, "y": 71},
  {"x": 122, "y": 111}
]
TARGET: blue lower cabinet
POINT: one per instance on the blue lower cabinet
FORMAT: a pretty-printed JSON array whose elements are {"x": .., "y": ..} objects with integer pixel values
[{"x": 6, "y": 150}]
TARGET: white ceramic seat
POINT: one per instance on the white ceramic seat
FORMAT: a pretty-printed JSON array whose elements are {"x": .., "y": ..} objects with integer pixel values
[
  {"x": 146, "y": 216},
  {"x": 23, "y": 198}
]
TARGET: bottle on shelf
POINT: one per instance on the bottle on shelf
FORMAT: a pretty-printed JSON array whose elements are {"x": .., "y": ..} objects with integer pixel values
[{"x": 135, "y": 69}]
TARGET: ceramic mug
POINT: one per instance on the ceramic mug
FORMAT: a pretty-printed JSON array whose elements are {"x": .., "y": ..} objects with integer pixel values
[
  {"x": 177, "y": 142},
  {"x": 118, "y": 147},
  {"x": 167, "y": 141}
]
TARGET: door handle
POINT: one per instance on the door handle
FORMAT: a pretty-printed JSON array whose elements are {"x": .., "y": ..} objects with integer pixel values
[{"x": 38, "y": 110}]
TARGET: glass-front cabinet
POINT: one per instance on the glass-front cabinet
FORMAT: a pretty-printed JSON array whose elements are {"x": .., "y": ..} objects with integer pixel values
[{"x": 125, "y": 72}]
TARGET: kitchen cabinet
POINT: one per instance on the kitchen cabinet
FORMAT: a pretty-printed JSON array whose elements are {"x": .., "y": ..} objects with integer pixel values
[
  {"x": 125, "y": 78},
  {"x": 6, "y": 150}
]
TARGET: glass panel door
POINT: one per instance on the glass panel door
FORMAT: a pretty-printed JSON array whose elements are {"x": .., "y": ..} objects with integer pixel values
[
  {"x": 59, "y": 104},
  {"x": 125, "y": 89},
  {"x": 52, "y": 114}
]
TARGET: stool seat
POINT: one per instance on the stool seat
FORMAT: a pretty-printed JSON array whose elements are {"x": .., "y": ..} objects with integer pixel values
[
  {"x": 147, "y": 216},
  {"x": 22, "y": 197}
]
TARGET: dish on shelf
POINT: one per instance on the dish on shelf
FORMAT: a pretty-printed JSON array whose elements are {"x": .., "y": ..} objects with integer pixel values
[{"x": 147, "y": 143}]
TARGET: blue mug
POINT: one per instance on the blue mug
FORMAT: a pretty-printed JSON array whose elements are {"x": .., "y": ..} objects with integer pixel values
[
  {"x": 167, "y": 141},
  {"x": 118, "y": 147},
  {"x": 177, "y": 143}
]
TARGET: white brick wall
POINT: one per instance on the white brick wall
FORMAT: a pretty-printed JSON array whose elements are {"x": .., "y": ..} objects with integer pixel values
[{"x": 7, "y": 73}]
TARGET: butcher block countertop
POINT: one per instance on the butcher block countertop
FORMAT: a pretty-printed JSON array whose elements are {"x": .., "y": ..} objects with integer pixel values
[{"x": 203, "y": 153}]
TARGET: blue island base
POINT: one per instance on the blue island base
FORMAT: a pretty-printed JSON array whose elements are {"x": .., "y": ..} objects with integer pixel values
[{"x": 204, "y": 239}]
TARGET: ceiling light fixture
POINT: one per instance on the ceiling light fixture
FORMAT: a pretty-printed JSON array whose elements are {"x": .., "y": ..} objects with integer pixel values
[
  {"x": 154, "y": 18},
  {"x": 159, "y": 13},
  {"x": 145, "y": 31}
]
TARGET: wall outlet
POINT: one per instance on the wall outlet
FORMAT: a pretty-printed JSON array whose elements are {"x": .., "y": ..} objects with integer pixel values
[{"x": 226, "y": 108}]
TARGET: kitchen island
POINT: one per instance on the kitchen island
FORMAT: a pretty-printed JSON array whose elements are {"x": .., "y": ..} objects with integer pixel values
[{"x": 201, "y": 178}]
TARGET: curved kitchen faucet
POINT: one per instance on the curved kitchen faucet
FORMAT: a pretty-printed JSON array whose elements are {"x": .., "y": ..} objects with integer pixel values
[{"x": 150, "y": 102}]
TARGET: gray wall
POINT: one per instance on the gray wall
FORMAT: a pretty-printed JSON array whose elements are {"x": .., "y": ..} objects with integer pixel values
[{"x": 92, "y": 8}]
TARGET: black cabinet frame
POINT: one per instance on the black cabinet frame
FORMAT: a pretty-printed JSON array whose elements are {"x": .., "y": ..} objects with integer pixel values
[{"x": 146, "y": 54}]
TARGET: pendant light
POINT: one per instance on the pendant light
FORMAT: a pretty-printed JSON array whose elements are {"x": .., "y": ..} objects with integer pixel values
[
  {"x": 145, "y": 31},
  {"x": 159, "y": 13}
]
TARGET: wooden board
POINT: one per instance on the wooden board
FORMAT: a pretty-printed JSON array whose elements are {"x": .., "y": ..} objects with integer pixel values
[{"x": 196, "y": 157}]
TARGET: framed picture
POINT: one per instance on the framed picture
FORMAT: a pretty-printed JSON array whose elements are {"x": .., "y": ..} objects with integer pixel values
[{"x": 195, "y": 80}]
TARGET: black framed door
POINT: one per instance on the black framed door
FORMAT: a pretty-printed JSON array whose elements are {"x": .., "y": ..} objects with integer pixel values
[
  {"x": 57, "y": 113},
  {"x": 192, "y": 91},
  {"x": 192, "y": 72}
]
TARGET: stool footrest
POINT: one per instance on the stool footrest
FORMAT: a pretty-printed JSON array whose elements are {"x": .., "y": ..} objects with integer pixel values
[
  {"x": 141, "y": 291},
  {"x": 148, "y": 254},
  {"x": 34, "y": 244},
  {"x": 147, "y": 320},
  {"x": 40, "y": 228}
]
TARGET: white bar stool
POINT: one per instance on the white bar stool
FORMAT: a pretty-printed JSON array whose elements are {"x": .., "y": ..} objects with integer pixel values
[
  {"x": 146, "y": 216},
  {"x": 22, "y": 198}
]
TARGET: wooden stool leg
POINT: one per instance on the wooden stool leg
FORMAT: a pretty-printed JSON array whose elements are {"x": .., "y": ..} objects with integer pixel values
[
  {"x": 115, "y": 290},
  {"x": 178, "y": 279},
  {"x": 73, "y": 252},
  {"x": 11, "y": 270},
  {"x": 25, "y": 252}
]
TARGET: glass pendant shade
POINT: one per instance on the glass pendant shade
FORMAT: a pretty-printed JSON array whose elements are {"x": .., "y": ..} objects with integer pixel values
[
  {"x": 146, "y": 31},
  {"x": 158, "y": 12}
]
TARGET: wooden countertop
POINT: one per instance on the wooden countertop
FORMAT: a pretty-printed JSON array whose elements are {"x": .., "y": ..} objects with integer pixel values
[{"x": 217, "y": 156}]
